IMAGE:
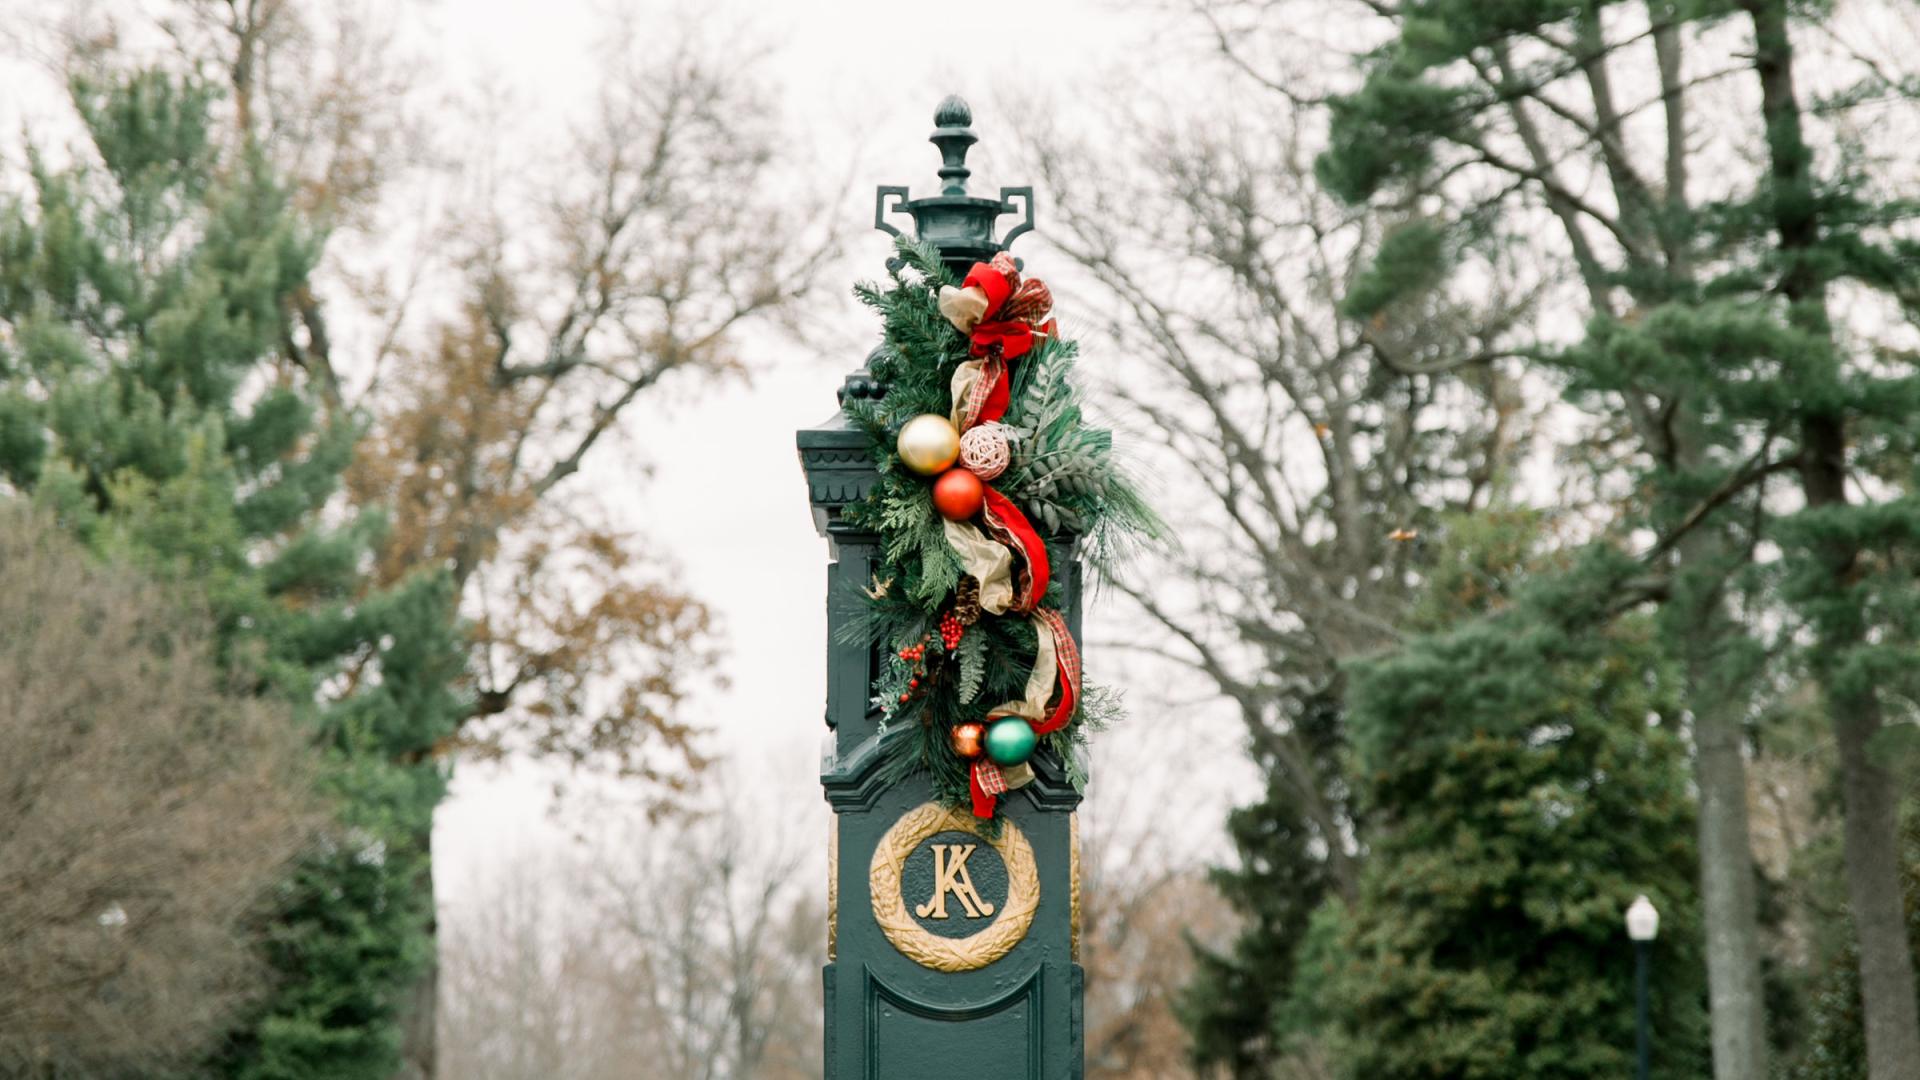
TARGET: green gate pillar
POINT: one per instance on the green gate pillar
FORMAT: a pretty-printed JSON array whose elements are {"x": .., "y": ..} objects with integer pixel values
[{"x": 923, "y": 982}]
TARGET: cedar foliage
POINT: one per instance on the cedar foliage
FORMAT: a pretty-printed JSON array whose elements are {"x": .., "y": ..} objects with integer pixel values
[
  {"x": 1523, "y": 779},
  {"x": 148, "y": 402}
]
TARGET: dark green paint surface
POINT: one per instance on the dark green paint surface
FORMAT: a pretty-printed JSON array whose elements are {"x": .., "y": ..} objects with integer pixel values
[{"x": 888, "y": 1018}]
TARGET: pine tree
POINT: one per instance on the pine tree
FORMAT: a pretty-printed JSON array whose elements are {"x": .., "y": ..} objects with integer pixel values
[
  {"x": 147, "y": 398},
  {"x": 1521, "y": 798},
  {"x": 1317, "y": 420},
  {"x": 1713, "y": 337}
]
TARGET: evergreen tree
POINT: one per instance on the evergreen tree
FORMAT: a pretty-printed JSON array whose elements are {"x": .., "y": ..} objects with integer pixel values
[
  {"x": 147, "y": 398},
  {"x": 1523, "y": 792},
  {"x": 1713, "y": 337}
]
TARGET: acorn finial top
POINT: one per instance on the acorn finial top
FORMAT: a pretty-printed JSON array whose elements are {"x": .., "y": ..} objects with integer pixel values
[
  {"x": 953, "y": 111},
  {"x": 952, "y": 135}
]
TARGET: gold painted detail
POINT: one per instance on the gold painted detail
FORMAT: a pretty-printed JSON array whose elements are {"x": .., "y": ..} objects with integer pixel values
[
  {"x": 950, "y": 876},
  {"x": 833, "y": 889},
  {"x": 931, "y": 950},
  {"x": 1073, "y": 886}
]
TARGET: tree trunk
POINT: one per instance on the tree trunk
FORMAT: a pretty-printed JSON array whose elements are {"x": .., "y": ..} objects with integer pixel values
[
  {"x": 1716, "y": 689},
  {"x": 420, "y": 1016},
  {"x": 1874, "y": 895},
  {"x": 1717, "y": 694},
  {"x": 1871, "y": 833},
  {"x": 1729, "y": 904}
]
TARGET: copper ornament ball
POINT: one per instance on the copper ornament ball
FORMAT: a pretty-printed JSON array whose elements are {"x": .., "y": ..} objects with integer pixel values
[
  {"x": 928, "y": 444},
  {"x": 958, "y": 494},
  {"x": 969, "y": 739}
]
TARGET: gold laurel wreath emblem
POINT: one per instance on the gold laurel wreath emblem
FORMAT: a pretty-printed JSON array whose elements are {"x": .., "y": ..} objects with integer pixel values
[{"x": 928, "y": 949}]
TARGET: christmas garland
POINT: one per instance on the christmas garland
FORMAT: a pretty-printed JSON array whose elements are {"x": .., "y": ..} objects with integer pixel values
[{"x": 980, "y": 446}]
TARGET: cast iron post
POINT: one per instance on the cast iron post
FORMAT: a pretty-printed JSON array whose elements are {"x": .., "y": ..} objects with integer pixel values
[
  {"x": 1642, "y": 1040},
  {"x": 1643, "y": 925},
  {"x": 889, "y": 1017}
]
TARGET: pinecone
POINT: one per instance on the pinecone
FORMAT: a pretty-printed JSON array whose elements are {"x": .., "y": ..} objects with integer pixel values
[{"x": 966, "y": 600}]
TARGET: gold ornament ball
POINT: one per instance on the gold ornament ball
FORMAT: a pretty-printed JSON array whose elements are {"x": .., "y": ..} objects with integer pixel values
[{"x": 928, "y": 444}]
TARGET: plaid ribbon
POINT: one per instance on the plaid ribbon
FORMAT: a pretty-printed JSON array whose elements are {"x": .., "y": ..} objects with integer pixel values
[
  {"x": 980, "y": 396},
  {"x": 1017, "y": 308},
  {"x": 1029, "y": 303},
  {"x": 1004, "y": 265},
  {"x": 991, "y": 780},
  {"x": 986, "y": 786},
  {"x": 1066, "y": 656}
]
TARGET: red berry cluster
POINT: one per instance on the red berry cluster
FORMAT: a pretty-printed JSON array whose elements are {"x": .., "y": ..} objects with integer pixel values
[
  {"x": 951, "y": 630},
  {"x": 914, "y": 654}
]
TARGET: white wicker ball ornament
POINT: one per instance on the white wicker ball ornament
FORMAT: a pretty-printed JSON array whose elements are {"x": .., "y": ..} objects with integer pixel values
[{"x": 984, "y": 451}]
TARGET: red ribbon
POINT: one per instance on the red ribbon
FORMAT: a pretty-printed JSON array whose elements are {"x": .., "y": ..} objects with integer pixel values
[
  {"x": 997, "y": 343},
  {"x": 998, "y": 284},
  {"x": 1009, "y": 526},
  {"x": 1066, "y": 658},
  {"x": 986, "y": 785},
  {"x": 1009, "y": 339}
]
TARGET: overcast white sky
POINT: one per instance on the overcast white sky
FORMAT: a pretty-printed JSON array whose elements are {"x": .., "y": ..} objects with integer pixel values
[{"x": 860, "y": 79}]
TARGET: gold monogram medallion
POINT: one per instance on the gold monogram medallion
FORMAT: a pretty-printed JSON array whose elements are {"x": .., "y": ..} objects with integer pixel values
[{"x": 954, "y": 892}]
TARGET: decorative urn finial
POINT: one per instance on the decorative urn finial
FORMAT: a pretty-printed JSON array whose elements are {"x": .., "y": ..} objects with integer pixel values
[{"x": 961, "y": 225}]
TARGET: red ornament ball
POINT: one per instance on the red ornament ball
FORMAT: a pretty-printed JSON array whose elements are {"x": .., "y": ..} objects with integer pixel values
[{"x": 958, "y": 494}]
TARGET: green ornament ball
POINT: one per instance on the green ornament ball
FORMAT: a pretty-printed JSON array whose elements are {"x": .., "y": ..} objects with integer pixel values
[{"x": 1010, "y": 741}]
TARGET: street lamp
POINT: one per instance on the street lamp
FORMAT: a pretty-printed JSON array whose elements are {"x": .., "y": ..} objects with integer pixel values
[{"x": 1643, "y": 923}]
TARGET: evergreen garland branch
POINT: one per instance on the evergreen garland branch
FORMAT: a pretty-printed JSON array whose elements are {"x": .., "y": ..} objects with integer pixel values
[{"x": 1062, "y": 474}]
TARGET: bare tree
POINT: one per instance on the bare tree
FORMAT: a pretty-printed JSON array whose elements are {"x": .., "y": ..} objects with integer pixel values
[
  {"x": 659, "y": 235},
  {"x": 689, "y": 947},
  {"x": 1307, "y": 451},
  {"x": 654, "y": 239},
  {"x": 1141, "y": 906},
  {"x": 144, "y": 813}
]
